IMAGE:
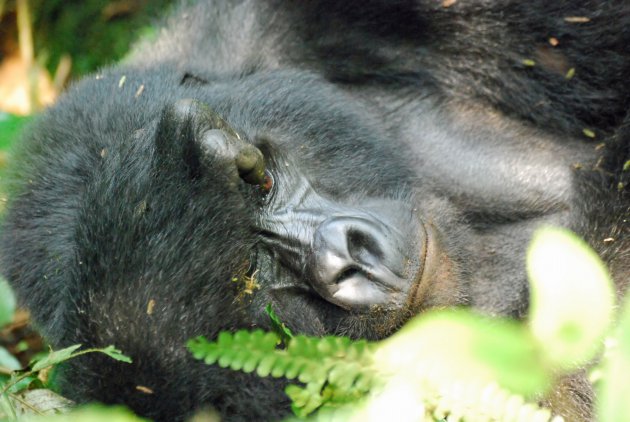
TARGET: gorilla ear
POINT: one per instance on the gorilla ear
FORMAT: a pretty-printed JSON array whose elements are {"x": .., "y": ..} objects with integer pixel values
[{"x": 192, "y": 134}]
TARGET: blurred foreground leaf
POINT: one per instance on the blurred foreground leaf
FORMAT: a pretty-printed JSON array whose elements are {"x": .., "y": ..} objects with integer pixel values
[
  {"x": 7, "y": 303},
  {"x": 10, "y": 127},
  {"x": 572, "y": 297},
  {"x": 91, "y": 413},
  {"x": 461, "y": 345},
  {"x": 615, "y": 389}
]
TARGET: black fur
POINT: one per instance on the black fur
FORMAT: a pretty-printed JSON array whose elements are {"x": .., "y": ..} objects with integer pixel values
[{"x": 380, "y": 109}]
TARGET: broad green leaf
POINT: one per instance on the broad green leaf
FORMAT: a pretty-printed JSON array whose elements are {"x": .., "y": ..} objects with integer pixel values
[
  {"x": 7, "y": 303},
  {"x": 8, "y": 361},
  {"x": 55, "y": 357},
  {"x": 459, "y": 344},
  {"x": 572, "y": 297},
  {"x": 400, "y": 401},
  {"x": 615, "y": 388}
]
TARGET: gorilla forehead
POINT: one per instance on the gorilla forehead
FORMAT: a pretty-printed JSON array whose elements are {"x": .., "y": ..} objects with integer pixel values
[
  {"x": 312, "y": 124},
  {"x": 306, "y": 122}
]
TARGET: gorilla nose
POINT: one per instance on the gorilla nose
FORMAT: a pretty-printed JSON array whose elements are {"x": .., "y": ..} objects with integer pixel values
[{"x": 358, "y": 262}]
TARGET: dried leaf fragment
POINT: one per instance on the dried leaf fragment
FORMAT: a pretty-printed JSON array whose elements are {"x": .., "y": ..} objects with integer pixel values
[
  {"x": 139, "y": 91},
  {"x": 577, "y": 19},
  {"x": 150, "y": 307},
  {"x": 143, "y": 389}
]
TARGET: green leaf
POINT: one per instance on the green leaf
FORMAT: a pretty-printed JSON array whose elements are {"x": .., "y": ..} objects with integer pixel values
[
  {"x": 281, "y": 367},
  {"x": 343, "y": 376},
  {"x": 10, "y": 128},
  {"x": 90, "y": 413},
  {"x": 304, "y": 400},
  {"x": 7, "y": 303},
  {"x": 8, "y": 361},
  {"x": 615, "y": 388},
  {"x": 7, "y": 413},
  {"x": 19, "y": 383},
  {"x": 572, "y": 297},
  {"x": 114, "y": 353},
  {"x": 54, "y": 357},
  {"x": 329, "y": 364},
  {"x": 279, "y": 327},
  {"x": 266, "y": 365},
  {"x": 458, "y": 344}
]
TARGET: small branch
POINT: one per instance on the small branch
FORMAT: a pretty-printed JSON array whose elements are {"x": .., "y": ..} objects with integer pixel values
[{"x": 25, "y": 32}]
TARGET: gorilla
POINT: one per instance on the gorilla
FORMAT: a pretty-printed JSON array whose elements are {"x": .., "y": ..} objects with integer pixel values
[{"x": 350, "y": 163}]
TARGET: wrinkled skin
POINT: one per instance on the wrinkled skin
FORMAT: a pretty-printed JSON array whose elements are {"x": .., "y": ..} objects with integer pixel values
[{"x": 351, "y": 164}]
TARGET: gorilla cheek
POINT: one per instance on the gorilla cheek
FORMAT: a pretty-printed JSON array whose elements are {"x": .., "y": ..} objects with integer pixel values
[{"x": 439, "y": 282}]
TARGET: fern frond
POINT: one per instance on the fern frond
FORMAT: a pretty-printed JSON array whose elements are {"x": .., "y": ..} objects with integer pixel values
[{"x": 335, "y": 370}]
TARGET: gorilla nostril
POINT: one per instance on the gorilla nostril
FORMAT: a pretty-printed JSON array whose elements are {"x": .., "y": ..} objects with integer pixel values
[
  {"x": 363, "y": 246},
  {"x": 347, "y": 273}
]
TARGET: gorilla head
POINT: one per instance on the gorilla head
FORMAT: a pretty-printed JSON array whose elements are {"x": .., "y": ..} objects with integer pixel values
[
  {"x": 332, "y": 235},
  {"x": 210, "y": 200}
]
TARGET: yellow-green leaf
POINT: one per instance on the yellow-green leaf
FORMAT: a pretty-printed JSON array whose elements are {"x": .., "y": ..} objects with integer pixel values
[{"x": 572, "y": 297}]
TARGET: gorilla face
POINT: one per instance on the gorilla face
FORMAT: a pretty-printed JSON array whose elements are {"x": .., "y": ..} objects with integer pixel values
[
  {"x": 337, "y": 241},
  {"x": 216, "y": 198}
]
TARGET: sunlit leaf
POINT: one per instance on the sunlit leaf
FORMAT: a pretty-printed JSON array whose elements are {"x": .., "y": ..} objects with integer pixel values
[
  {"x": 572, "y": 297},
  {"x": 463, "y": 345},
  {"x": 8, "y": 361},
  {"x": 615, "y": 388}
]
